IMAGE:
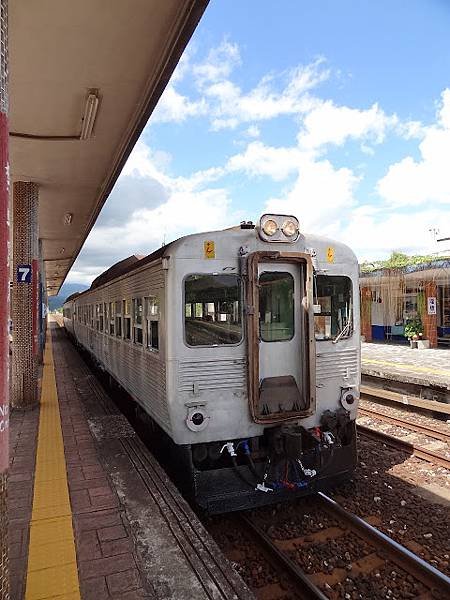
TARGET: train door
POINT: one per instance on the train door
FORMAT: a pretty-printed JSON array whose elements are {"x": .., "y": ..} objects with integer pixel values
[
  {"x": 281, "y": 349},
  {"x": 281, "y": 352}
]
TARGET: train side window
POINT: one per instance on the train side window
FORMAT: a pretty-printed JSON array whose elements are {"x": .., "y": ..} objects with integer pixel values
[
  {"x": 212, "y": 311},
  {"x": 276, "y": 306},
  {"x": 118, "y": 319},
  {"x": 126, "y": 320},
  {"x": 333, "y": 294},
  {"x": 152, "y": 322},
  {"x": 111, "y": 318},
  {"x": 106, "y": 313},
  {"x": 137, "y": 320},
  {"x": 101, "y": 317}
]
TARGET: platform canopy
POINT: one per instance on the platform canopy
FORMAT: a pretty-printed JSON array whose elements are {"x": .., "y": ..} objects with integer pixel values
[{"x": 84, "y": 78}]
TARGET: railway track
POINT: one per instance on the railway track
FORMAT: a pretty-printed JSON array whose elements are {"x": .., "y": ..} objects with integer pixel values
[
  {"x": 383, "y": 550},
  {"x": 404, "y": 446},
  {"x": 303, "y": 587},
  {"x": 406, "y": 424}
]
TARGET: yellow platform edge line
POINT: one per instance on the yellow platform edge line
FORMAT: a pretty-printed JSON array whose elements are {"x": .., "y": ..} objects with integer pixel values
[
  {"x": 412, "y": 368},
  {"x": 51, "y": 526}
]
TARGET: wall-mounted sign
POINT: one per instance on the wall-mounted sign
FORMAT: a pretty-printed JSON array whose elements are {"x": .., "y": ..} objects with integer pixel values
[
  {"x": 23, "y": 273},
  {"x": 209, "y": 249},
  {"x": 431, "y": 305}
]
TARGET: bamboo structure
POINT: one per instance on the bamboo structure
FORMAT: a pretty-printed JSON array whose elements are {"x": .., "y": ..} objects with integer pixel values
[{"x": 393, "y": 297}]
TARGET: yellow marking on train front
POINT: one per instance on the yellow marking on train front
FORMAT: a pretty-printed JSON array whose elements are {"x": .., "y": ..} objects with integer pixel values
[
  {"x": 407, "y": 367},
  {"x": 52, "y": 560}
]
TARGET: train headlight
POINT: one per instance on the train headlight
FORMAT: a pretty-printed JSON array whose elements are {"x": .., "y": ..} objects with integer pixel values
[
  {"x": 289, "y": 228},
  {"x": 270, "y": 227},
  {"x": 278, "y": 228}
]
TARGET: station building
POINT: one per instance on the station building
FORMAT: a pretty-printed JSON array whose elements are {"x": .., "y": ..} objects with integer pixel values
[{"x": 392, "y": 297}]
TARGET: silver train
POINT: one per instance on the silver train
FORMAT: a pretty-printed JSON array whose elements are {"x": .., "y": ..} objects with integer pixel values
[{"x": 242, "y": 349}]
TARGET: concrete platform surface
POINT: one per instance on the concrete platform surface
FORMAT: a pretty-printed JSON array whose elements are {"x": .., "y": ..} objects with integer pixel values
[
  {"x": 135, "y": 536},
  {"x": 405, "y": 364}
]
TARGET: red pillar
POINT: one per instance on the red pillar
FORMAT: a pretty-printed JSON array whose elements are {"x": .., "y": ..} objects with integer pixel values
[
  {"x": 366, "y": 313},
  {"x": 4, "y": 300},
  {"x": 430, "y": 320}
]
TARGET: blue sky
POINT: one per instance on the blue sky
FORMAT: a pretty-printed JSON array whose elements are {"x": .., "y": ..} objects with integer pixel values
[{"x": 337, "y": 112}]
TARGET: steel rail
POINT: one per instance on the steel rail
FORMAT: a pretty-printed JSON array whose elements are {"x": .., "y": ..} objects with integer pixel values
[
  {"x": 307, "y": 588},
  {"x": 439, "y": 435},
  {"x": 410, "y": 562},
  {"x": 423, "y": 404},
  {"x": 403, "y": 446}
]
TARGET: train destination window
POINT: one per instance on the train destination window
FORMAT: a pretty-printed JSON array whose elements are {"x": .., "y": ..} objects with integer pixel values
[
  {"x": 333, "y": 298},
  {"x": 126, "y": 320},
  {"x": 276, "y": 306},
  {"x": 152, "y": 319},
  {"x": 137, "y": 320},
  {"x": 212, "y": 310},
  {"x": 118, "y": 313}
]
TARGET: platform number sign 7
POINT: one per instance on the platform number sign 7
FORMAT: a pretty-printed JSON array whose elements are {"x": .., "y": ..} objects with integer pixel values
[{"x": 23, "y": 273}]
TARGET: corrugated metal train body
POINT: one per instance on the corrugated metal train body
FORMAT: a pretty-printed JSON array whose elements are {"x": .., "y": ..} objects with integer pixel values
[
  {"x": 139, "y": 370},
  {"x": 212, "y": 374},
  {"x": 339, "y": 363}
]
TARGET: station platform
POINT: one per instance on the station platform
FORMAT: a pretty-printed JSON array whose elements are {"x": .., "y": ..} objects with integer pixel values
[
  {"x": 92, "y": 514},
  {"x": 427, "y": 368}
]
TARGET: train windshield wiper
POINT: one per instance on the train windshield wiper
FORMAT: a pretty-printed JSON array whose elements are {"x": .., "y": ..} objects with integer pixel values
[{"x": 344, "y": 332}]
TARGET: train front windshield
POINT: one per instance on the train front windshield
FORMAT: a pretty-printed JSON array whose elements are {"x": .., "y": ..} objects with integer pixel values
[
  {"x": 333, "y": 307},
  {"x": 212, "y": 310}
]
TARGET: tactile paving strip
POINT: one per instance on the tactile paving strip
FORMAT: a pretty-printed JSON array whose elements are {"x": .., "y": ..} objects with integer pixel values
[{"x": 52, "y": 562}]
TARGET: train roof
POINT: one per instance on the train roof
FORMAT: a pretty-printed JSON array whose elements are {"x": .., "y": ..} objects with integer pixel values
[
  {"x": 119, "y": 268},
  {"x": 71, "y": 297},
  {"x": 136, "y": 261}
]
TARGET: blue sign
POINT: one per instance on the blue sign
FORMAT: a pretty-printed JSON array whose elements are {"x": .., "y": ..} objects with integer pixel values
[{"x": 23, "y": 273}]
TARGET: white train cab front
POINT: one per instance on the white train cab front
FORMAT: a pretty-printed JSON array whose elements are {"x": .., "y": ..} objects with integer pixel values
[{"x": 263, "y": 355}]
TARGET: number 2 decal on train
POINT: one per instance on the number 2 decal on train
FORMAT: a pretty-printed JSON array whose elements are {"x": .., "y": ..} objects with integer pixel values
[{"x": 209, "y": 249}]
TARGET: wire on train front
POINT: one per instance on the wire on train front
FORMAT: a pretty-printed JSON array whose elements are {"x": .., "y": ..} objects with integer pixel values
[
  {"x": 229, "y": 447},
  {"x": 251, "y": 464}
]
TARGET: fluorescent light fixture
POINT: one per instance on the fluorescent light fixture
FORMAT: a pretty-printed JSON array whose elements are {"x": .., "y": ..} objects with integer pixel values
[{"x": 90, "y": 114}]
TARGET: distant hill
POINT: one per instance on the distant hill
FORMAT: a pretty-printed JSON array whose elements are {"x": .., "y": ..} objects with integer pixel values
[{"x": 55, "y": 302}]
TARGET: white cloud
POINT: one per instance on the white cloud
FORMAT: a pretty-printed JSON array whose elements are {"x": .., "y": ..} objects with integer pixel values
[
  {"x": 218, "y": 65},
  {"x": 183, "y": 213},
  {"x": 173, "y": 107},
  {"x": 320, "y": 197},
  {"x": 259, "y": 159},
  {"x": 231, "y": 106},
  {"x": 148, "y": 208},
  {"x": 327, "y": 124},
  {"x": 253, "y": 131},
  {"x": 374, "y": 233},
  {"x": 410, "y": 182},
  {"x": 215, "y": 95}
]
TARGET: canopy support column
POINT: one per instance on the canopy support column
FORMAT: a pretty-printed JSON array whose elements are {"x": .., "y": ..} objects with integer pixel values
[
  {"x": 25, "y": 299},
  {"x": 4, "y": 301}
]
